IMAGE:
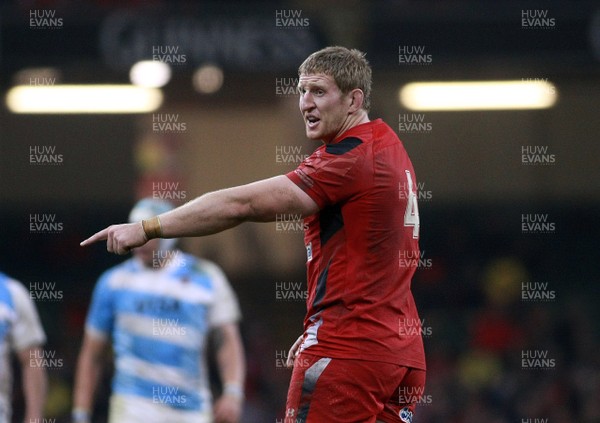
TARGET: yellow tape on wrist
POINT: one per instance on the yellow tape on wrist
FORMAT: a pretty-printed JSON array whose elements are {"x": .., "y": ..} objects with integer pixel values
[{"x": 152, "y": 228}]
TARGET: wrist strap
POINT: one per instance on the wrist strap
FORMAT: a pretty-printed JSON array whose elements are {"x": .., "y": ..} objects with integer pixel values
[
  {"x": 233, "y": 389},
  {"x": 152, "y": 228},
  {"x": 80, "y": 415}
]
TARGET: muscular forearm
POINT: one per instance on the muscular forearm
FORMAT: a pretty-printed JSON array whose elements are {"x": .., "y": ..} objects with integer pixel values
[{"x": 208, "y": 214}]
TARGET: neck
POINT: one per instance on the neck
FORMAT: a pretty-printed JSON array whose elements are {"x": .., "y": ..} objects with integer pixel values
[{"x": 354, "y": 119}]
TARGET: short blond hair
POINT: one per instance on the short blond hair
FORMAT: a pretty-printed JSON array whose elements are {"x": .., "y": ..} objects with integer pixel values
[{"x": 348, "y": 68}]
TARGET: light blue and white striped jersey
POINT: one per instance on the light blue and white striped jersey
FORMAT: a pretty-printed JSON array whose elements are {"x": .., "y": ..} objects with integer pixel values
[
  {"x": 20, "y": 328},
  {"x": 158, "y": 320}
]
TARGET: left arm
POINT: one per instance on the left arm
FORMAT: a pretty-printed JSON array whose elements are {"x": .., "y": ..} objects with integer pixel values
[
  {"x": 232, "y": 370},
  {"x": 35, "y": 384}
]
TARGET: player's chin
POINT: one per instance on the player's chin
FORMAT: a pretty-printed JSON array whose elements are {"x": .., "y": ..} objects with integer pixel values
[{"x": 311, "y": 134}]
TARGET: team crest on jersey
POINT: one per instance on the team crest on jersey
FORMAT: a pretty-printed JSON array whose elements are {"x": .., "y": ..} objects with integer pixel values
[{"x": 406, "y": 415}]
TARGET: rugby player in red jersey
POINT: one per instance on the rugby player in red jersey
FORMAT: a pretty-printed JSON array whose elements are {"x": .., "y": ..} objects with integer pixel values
[{"x": 360, "y": 358}]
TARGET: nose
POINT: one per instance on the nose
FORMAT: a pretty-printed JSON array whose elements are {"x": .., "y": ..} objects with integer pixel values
[{"x": 306, "y": 102}]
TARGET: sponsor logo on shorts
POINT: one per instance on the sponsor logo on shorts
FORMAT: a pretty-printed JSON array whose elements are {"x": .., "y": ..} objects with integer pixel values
[{"x": 405, "y": 415}]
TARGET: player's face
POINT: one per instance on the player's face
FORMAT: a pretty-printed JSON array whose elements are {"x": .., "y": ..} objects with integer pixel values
[{"x": 324, "y": 107}]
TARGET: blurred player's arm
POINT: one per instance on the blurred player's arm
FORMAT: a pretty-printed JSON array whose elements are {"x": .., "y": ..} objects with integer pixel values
[
  {"x": 214, "y": 212},
  {"x": 87, "y": 376},
  {"x": 27, "y": 339},
  {"x": 232, "y": 370},
  {"x": 35, "y": 384}
]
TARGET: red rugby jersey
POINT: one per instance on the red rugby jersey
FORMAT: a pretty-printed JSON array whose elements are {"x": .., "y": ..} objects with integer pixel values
[{"x": 362, "y": 248}]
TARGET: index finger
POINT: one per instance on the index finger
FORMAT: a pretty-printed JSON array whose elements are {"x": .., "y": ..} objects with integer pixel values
[{"x": 98, "y": 236}]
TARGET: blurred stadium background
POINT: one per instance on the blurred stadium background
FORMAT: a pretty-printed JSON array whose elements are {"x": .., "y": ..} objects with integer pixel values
[{"x": 510, "y": 199}]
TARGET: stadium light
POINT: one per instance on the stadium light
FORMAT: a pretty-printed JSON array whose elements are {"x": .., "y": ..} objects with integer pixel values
[
  {"x": 150, "y": 73},
  {"x": 58, "y": 99},
  {"x": 478, "y": 95},
  {"x": 208, "y": 79}
]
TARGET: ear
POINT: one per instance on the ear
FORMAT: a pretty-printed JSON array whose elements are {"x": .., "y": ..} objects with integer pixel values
[{"x": 356, "y": 97}]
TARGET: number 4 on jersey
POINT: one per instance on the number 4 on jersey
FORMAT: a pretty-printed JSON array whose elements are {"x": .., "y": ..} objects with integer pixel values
[{"x": 411, "y": 214}]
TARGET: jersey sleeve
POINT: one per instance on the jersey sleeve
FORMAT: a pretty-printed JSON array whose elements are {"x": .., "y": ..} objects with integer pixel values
[
  {"x": 332, "y": 173},
  {"x": 27, "y": 330},
  {"x": 100, "y": 318},
  {"x": 225, "y": 308}
]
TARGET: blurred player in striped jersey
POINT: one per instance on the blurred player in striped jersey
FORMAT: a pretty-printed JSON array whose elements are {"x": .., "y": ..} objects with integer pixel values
[
  {"x": 362, "y": 350},
  {"x": 157, "y": 309},
  {"x": 21, "y": 333}
]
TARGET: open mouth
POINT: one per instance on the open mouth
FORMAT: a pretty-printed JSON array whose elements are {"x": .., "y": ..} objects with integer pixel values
[{"x": 312, "y": 121}]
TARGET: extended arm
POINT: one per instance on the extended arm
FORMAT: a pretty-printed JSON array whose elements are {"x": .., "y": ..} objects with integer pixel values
[
  {"x": 35, "y": 384},
  {"x": 216, "y": 211}
]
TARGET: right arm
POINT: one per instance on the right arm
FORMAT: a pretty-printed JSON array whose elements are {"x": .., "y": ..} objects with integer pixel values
[
  {"x": 87, "y": 376},
  {"x": 216, "y": 211}
]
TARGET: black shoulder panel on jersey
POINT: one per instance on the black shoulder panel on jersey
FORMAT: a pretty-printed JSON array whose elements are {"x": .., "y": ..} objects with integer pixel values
[{"x": 343, "y": 146}]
